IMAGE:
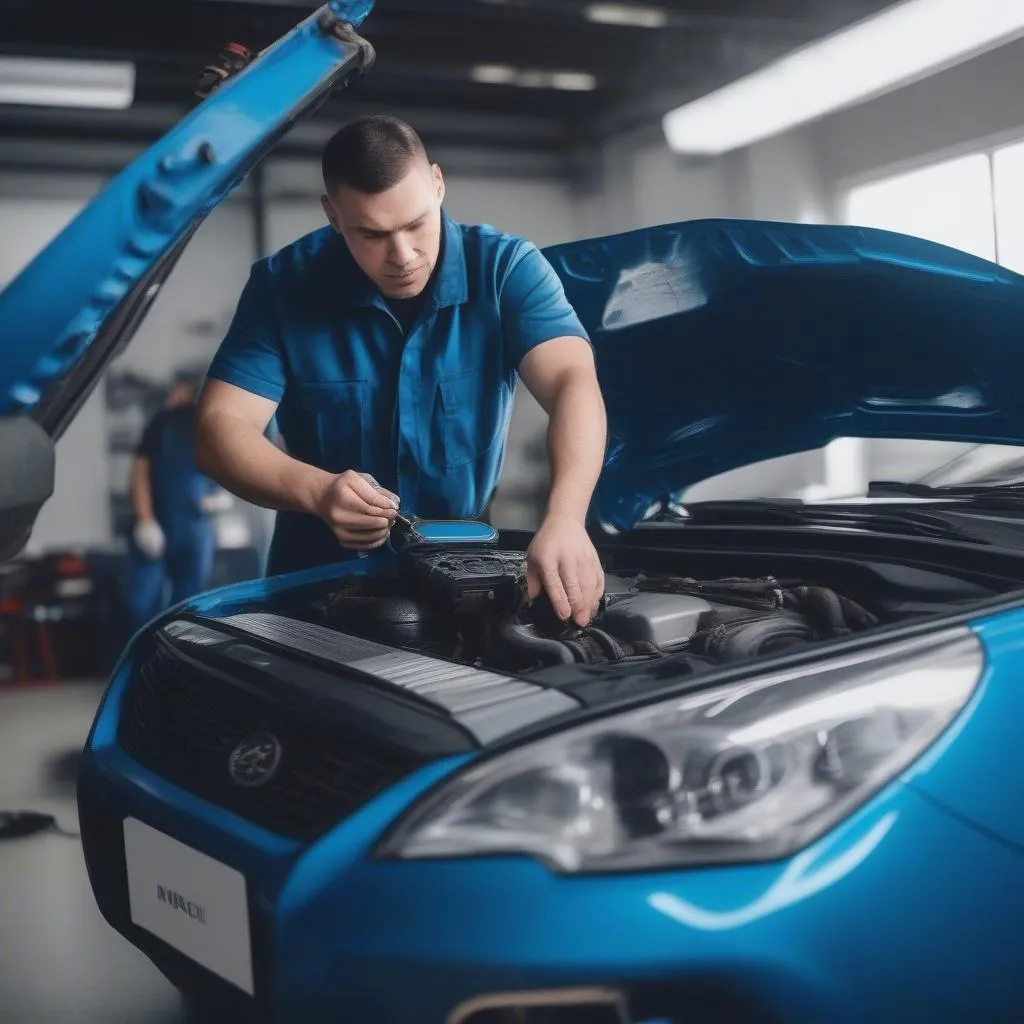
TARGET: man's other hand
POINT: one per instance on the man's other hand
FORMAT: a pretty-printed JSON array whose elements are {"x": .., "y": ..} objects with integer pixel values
[
  {"x": 562, "y": 561},
  {"x": 149, "y": 538},
  {"x": 357, "y": 509}
]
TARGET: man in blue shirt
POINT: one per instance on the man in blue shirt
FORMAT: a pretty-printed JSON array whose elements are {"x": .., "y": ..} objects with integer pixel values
[{"x": 388, "y": 344}]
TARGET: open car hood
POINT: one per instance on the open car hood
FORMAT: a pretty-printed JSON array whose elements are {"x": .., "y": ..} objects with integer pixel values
[
  {"x": 77, "y": 304},
  {"x": 722, "y": 343}
]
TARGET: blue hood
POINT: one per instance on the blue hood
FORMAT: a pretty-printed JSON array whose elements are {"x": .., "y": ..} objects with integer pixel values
[
  {"x": 80, "y": 300},
  {"x": 721, "y": 343}
]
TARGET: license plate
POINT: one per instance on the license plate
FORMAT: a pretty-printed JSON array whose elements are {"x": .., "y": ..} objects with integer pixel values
[{"x": 194, "y": 903}]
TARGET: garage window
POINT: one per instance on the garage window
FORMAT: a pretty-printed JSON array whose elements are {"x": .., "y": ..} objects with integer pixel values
[
  {"x": 973, "y": 203},
  {"x": 950, "y": 202}
]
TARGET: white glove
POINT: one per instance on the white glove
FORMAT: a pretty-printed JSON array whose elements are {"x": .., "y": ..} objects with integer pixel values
[
  {"x": 150, "y": 539},
  {"x": 218, "y": 501}
]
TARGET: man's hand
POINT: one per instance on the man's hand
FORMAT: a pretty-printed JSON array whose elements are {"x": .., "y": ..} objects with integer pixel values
[
  {"x": 562, "y": 561},
  {"x": 357, "y": 509}
]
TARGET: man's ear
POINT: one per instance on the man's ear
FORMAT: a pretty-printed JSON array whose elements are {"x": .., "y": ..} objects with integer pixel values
[
  {"x": 438, "y": 182},
  {"x": 329, "y": 211}
]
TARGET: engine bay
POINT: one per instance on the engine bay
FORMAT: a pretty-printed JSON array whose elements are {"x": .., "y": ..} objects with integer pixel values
[{"x": 470, "y": 606}]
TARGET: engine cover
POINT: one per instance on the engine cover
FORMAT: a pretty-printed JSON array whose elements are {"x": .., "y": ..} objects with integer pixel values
[{"x": 664, "y": 620}]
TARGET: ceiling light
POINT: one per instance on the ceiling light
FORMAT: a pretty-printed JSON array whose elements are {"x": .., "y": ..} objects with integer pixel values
[
  {"x": 573, "y": 81},
  {"x": 494, "y": 74},
  {"x": 626, "y": 14},
  {"x": 502, "y": 74},
  {"x": 902, "y": 44},
  {"x": 48, "y": 82}
]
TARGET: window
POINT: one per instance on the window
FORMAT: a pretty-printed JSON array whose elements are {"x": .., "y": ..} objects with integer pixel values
[
  {"x": 1007, "y": 171},
  {"x": 950, "y": 202},
  {"x": 973, "y": 203}
]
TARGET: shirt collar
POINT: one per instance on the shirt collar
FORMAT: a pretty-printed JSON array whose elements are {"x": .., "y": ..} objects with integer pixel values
[{"x": 448, "y": 287}]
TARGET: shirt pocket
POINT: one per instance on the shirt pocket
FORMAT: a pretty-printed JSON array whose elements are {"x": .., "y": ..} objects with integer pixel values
[
  {"x": 336, "y": 412},
  {"x": 471, "y": 417}
]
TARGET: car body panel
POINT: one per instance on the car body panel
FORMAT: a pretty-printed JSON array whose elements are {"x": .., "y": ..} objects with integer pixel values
[
  {"x": 980, "y": 775},
  {"x": 784, "y": 932},
  {"x": 707, "y": 332},
  {"x": 408, "y": 941},
  {"x": 847, "y": 929}
]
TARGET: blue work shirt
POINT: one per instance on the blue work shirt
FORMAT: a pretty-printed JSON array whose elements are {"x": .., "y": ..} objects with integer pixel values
[{"x": 425, "y": 412}]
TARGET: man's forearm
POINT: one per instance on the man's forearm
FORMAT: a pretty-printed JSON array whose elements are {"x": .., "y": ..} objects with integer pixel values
[
  {"x": 142, "y": 492},
  {"x": 577, "y": 433},
  {"x": 244, "y": 461}
]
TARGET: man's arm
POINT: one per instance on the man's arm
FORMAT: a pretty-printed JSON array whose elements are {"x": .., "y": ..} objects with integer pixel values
[
  {"x": 148, "y": 534},
  {"x": 561, "y": 375},
  {"x": 142, "y": 490},
  {"x": 548, "y": 345},
  {"x": 233, "y": 449}
]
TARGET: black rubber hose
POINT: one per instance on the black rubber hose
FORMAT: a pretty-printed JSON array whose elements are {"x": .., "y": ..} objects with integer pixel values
[
  {"x": 822, "y": 608},
  {"x": 537, "y": 648},
  {"x": 735, "y": 640}
]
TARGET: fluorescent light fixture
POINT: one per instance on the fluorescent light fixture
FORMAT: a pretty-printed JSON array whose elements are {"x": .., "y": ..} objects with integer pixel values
[
  {"x": 48, "y": 82},
  {"x": 502, "y": 74},
  {"x": 573, "y": 81},
  {"x": 626, "y": 14},
  {"x": 494, "y": 74},
  {"x": 902, "y": 44}
]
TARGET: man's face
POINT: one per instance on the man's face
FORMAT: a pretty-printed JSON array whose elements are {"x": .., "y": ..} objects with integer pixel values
[{"x": 394, "y": 236}]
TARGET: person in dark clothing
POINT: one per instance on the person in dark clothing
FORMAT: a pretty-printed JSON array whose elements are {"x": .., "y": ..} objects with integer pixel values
[{"x": 173, "y": 540}]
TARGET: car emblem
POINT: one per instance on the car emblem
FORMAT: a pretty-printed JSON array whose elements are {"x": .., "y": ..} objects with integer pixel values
[{"x": 255, "y": 760}]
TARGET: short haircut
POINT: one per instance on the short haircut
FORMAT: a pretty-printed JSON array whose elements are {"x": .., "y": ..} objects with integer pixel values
[{"x": 370, "y": 154}]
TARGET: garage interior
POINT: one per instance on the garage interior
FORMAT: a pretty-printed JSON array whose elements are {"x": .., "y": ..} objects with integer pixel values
[{"x": 547, "y": 119}]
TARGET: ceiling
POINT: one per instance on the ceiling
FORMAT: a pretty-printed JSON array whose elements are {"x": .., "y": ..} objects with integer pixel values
[{"x": 426, "y": 53}]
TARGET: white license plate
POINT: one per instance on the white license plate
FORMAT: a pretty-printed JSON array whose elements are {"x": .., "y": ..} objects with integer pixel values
[{"x": 191, "y": 901}]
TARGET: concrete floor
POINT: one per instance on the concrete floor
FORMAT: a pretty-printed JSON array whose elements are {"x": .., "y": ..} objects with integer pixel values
[{"x": 60, "y": 962}]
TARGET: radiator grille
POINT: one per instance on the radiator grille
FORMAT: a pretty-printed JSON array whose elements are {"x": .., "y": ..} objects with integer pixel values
[{"x": 184, "y": 724}]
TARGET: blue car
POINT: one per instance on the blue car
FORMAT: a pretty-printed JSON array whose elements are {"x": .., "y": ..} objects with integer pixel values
[{"x": 777, "y": 779}]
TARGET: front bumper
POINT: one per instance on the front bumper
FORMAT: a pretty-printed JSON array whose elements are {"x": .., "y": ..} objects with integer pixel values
[{"x": 872, "y": 922}]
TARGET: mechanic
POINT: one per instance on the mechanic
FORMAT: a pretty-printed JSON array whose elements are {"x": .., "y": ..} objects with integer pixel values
[
  {"x": 388, "y": 345},
  {"x": 173, "y": 538}
]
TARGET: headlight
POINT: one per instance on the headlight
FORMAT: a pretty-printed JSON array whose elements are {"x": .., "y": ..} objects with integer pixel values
[{"x": 747, "y": 771}]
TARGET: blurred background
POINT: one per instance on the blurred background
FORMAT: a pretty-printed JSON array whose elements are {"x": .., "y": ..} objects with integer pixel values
[{"x": 552, "y": 119}]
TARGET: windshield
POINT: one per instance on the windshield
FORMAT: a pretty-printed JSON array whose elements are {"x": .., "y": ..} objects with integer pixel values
[{"x": 854, "y": 469}]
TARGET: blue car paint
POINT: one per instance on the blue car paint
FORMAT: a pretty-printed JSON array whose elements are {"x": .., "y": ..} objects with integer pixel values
[
  {"x": 847, "y": 929},
  {"x": 981, "y": 776}
]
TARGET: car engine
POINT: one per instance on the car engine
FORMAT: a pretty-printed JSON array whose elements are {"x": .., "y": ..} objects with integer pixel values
[{"x": 471, "y": 606}]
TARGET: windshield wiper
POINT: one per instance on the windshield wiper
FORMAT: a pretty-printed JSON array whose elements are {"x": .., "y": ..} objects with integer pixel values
[
  {"x": 759, "y": 511},
  {"x": 982, "y": 496}
]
